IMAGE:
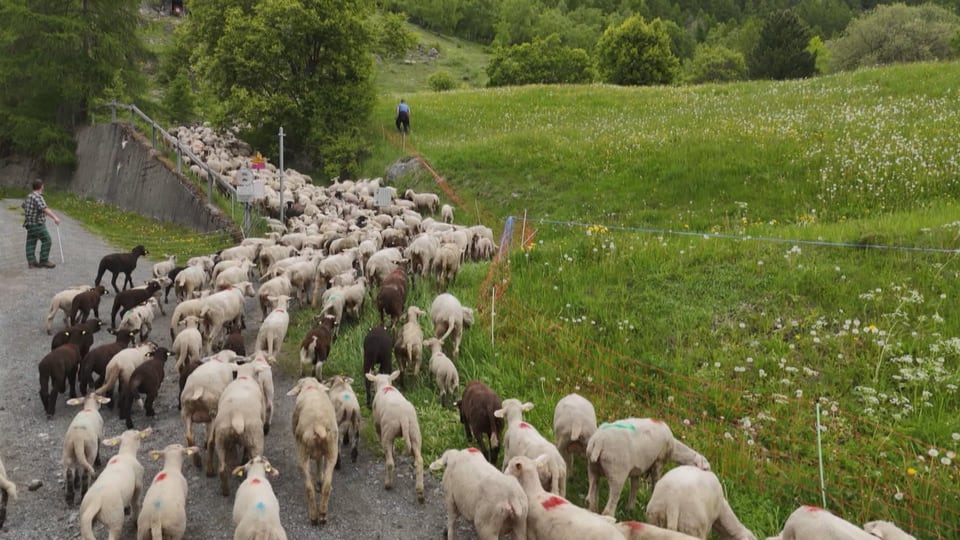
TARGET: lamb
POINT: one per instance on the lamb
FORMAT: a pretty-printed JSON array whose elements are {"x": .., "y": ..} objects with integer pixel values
[
  {"x": 223, "y": 306},
  {"x": 87, "y": 329},
  {"x": 814, "y": 523},
  {"x": 302, "y": 275},
  {"x": 574, "y": 421},
  {"x": 56, "y": 369},
  {"x": 443, "y": 369},
  {"x": 392, "y": 296},
  {"x": 85, "y": 302},
  {"x": 629, "y": 448},
  {"x": 475, "y": 489},
  {"x": 377, "y": 351},
  {"x": 477, "y": 407},
  {"x": 446, "y": 213},
  {"x": 163, "y": 268},
  {"x": 233, "y": 340},
  {"x": 164, "y": 513},
  {"x": 347, "y": 407},
  {"x": 185, "y": 308},
  {"x": 123, "y": 364},
  {"x": 409, "y": 348},
  {"x": 449, "y": 319},
  {"x": 188, "y": 281},
  {"x": 62, "y": 301},
  {"x": 234, "y": 275},
  {"x": 423, "y": 201},
  {"x": 394, "y": 416},
  {"x": 333, "y": 303},
  {"x": 273, "y": 329},
  {"x": 421, "y": 253},
  {"x": 551, "y": 516},
  {"x": 118, "y": 486},
  {"x": 256, "y": 511},
  {"x": 140, "y": 318},
  {"x": 249, "y": 252},
  {"x": 522, "y": 439},
  {"x": 172, "y": 281},
  {"x": 446, "y": 263},
  {"x": 264, "y": 372},
  {"x": 332, "y": 266},
  {"x": 96, "y": 360},
  {"x": 129, "y": 299},
  {"x": 187, "y": 344},
  {"x": 690, "y": 500},
  {"x": 316, "y": 344},
  {"x": 353, "y": 297},
  {"x": 239, "y": 422},
  {"x": 81, "y": 445},
  {"x": 381, "y": 264},
  {"x": 120, "y": 263},
  {"x": 272, "y": 287},
  {"x": 146, "y": 379},
  {"x": 200, "y": 395},
  {"x": 316, "y": 430},
  {"x": 8, "y": 490}
]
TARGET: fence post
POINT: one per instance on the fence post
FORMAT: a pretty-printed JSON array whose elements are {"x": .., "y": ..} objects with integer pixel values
[
  {"x": 179, "y": 159},
  {"x": 113, "y": 112},
  {"x": 493, "y": 312},
  {"x": 210, "y": 185},
  {"x": 133, "y": 119},
  {"x": 153, "y": 134},
  {"x": 823, "y": 489}
]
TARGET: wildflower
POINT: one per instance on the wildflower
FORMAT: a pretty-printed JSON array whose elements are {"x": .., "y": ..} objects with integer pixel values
[
  {"x": 898, "y": 495},
  {"x": 911, "y": 471},
  {"x": 945, "y": 460},
  {"x": 933, "y": 452}
]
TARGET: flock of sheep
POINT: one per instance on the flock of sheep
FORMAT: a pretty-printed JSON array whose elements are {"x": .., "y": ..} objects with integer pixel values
[{"x": 338, "y": 253}]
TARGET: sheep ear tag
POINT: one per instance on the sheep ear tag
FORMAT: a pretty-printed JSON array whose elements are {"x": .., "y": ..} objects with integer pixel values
[
  {"x": 155, "y": 455},
  {"x": 143, "y": 434},
  {"x": 74, "y": 401},
  {"x": 238, "y": 471},
  {"x": 113, "y": 441}
]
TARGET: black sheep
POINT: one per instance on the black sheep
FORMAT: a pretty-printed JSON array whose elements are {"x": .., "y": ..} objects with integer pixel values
[
  {"x": 233, "y": 340},
  {"x": 120, "y": 263},
  {"x": 377, "y": 351},
  {"x": 57, "y": 368},
  {"x": 317, "y": 342},
  {"x": 392, "y": 296},
  {"x": 130, "y": 299},
  {"x": 145, "y": 379},
  {"x": 86, "y": 302},
  {"x": 90, "y": 326},
  {"x": 476, "y": 414},
  {"x": 96, "y": 360},
  {"x": 172, "y": 274}
]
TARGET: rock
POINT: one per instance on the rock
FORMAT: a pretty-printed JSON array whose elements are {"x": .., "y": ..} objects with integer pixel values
[{"x": 35, "y": 484}]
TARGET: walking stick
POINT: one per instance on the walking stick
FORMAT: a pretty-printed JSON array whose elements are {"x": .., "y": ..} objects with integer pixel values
[{"x": 60, "y": 244}]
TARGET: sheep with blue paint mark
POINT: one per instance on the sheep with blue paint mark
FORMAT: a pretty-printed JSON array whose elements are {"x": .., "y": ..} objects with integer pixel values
[
  {"x": 256, "y": 510},
  {"x": 164, "y": 513}
]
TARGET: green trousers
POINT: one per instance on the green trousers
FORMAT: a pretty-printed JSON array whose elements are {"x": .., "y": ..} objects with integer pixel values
[{"x": 35, "y": 233}]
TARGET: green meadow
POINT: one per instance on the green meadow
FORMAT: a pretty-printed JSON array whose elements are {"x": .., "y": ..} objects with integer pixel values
[{"x": 732, "y": 259}]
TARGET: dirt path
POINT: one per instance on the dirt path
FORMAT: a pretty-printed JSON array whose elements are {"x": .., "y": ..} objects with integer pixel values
[{"x": 31, "y": 445}]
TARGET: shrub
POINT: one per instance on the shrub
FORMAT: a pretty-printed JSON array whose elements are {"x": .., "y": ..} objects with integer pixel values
[
  {"x": 441, "y": 81},
  {"x": 544, "y": 61},
  {"x": 636, "y": 53},
  {"x": 715, "y": 63}
]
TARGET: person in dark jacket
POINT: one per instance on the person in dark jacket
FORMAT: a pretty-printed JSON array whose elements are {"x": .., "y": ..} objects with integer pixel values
[
  {"x": 35, "y": 212},
  {"x": 403, "y": 117}
]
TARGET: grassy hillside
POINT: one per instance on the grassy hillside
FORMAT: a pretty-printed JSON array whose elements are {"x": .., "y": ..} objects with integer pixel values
[
  {"x": 719, "y": 257},
  {"x": 464, "y": 60}
]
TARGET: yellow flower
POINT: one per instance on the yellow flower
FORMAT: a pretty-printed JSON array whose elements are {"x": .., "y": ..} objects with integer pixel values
[{"x": 911, "y": 471}]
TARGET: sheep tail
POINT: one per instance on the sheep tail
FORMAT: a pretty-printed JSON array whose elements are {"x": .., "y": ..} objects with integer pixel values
[
  {"x": 575, "y": 431},
  {"x": 595, "y": 452},
  {"x": 80, "y": 455},
  {"x": 405, "y": 430},
  {"x": 111, "y": 380},
  {"x": 450, "y": 326},
  {"x": 86, "y": 518},
  {"x": 156, "y": 527},
  {"x": 236, "y": 421}
]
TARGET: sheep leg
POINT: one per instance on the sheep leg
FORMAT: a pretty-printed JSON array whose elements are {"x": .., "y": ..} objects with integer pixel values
[
  {"x": 211, "y": 445},
  {"x": 418, "y": 469},
  {"x": 85, "y": 478},
  {"x": 452, "y": 518},
  {"x": 307, "y": 471},
  {"x": 148, "y": 404},
  {"x": 593, "y": 480},
  {"x": 615, "y": 483},
  {"x": 72, "y": 380},
  {"x": 3, "y": 506},
  {"x": 113, "y": 281},
  {"x": 386, "y": 441},
  {"x": 68, "y": 480},
  {"x": 632, "y": 498},
  {"x": 327, "y": 487}
]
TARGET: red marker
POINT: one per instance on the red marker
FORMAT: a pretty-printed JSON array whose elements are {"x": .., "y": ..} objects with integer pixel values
[{"x": 552, "y": 502}]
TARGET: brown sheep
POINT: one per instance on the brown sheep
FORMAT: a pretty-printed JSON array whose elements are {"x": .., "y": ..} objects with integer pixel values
[
  {"x": 120, "y": 263},
  {"x": 57, "y": 368},
  {"x": 377, "y": 351},
  {"x": 96, "y": 359},
  {"x": 477, "y": 406},
  {"x": 315, "y": 346},
  {"x": 91, "y": 327},
  {"x": 84, "y": 302},
  {"x": 146, "y": 379},
  {"x": 233, "y": 341},
  {"x": 128, "y": 299},
  {"x": 392, "y": 296}
]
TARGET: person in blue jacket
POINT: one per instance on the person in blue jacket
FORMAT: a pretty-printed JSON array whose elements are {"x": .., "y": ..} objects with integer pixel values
[{"x": 403, "y": 117}]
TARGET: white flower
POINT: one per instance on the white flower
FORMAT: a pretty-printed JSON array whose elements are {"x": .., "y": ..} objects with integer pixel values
[
  {"x": 933, "y": 452},
  {"x": 945, "y": 460}
]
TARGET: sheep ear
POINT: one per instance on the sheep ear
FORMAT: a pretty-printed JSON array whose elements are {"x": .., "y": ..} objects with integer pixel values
[
  {"x": 143, "y": 434},
  {"x": 294, "y": 391},
  {"x": 395, "y": 375},
  {"x": 75, "y": 401},
  {"x": 499, "y": 413},
  {"x": 191, "y": 450},
  {"x": 155, "y": 454},
  {"x": 370, "y": 377},
  {"x": 239, "y": 471},
  {"x": 541, "y": 462},
  {"x": 272, "y": 471},
  {"x": 348, "y": 380},
  {"x": 526, "y": 406},
  {"x": 438, "y": 464},
  {"x": 112, "y": 441},
  {"x": 102, "y": 400}
]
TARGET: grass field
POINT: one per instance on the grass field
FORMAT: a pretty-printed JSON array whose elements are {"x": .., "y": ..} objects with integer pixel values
[{"x": 719, "y": 257}]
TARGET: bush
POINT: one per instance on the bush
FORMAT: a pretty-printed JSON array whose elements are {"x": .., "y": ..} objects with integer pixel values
[
  {"x": 715, "y": 63},
  {"x": 544, "y": 61},
  {"x": 393, "y": 38},
  {"x": 441, "y": 81},
  {"x": 637, "y": 53}
]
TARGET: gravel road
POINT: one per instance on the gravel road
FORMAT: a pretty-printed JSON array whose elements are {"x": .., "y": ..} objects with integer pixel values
[{"x": 31, "y": 445}]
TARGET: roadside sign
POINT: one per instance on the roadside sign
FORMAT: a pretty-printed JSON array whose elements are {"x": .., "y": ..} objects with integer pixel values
[
  {"x": 382, "y": 198},
  {"x": 246, "y": 182},
  {"x": 258, "y": 162}
]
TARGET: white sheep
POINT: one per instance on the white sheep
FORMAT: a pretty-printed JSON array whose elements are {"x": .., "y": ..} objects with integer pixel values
[
  {"x": 201, "y": 396},
  {"x": 139, "y": 319},
  {"x": 302, "y": 275},
  {"x": 318, "y": 442},
  {"x": 421, "y": 252},
  {"x": 635, "y": 530},
  {"x": 230, "y": 277},
  {"x": 8, "y": 490},
  {"x": 276, "y": 286},
  {"x": 473, "y": 488},
  {"x": 81, "y": 444},
  {"x": 263, "y": 366},
  {"x": 551, "y": 516},
  {"x": 380, "y": 265},
  {"x": 446, "y": 263},
  {"x": 164, "y": 513},
  {"x": 449, "y": 318},
  {"x": 122, "y": 365},
  {"x": 446, "y": 213},
  {"x": 239, "y": 422},
  {"x": 423, "y": 201},
  {"x": 345, "y": 403},
  {"x": 393, "y": 417},
  {"x": 188, "y": 343},
  {"x": 815, "y": 523},
  {"x": 409, "y": 346},
  {"x": 223, "y": 306},
  {"x": 630, "y": 448},
  {"x": 522, "y": 439},
  {"x": 690, "y": 500},
  {"x": 574, "y": 422},
  {"x": 186, "y": 308},
  {"x": 62, "y": 301},
  {"x": 443, "y": 369},
  {"x": 248, "y": 251},
  {"x": 256, "y": 510},
  {"x": 119, "y": 486},
  {"x": 163, "y": 268},
  {"x": 273, "y": 329},
  {"x": 190, "y": 280}
]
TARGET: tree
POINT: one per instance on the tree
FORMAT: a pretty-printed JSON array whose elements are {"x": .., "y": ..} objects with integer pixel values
[
  {"x": 393, "y": 38},
  {"x": 58, "y": 59},
  {"x": 715, "y": 63},
  {"x": 636, "y": 53},
  {"x": 544, "y": 61},
  {"x": 303, "y": 65},
  {"x": 781, "y": 53},
  {"x": 895, "y": 33},
  {"x": 178, "y": 102}
]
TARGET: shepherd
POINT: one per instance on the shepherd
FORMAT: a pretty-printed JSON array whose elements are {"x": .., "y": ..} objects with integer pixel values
[{"x": 403, "y": 117}]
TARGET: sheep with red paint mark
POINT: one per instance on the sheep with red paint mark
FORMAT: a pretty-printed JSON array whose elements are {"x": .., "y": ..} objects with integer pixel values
[
  {"x": 551, "y": 516},
  {"x": 690, "y": 500},
  {"x": 629, "y": 448},
  {"x": 522, "y": 439},
  {"x": 815, "y": 523},
  {"x": 473, "y": 488},
  {"x": 316, "y": 431},
  {"x": 164, "y": 513},
  {"x": 394, "y": 417},
  {"x": 81, "y": 445},
  {"x": 635, "y": 530},
  {"x": 119, "y": 486},
  {"x": 273, "y": 329},
  {"x": 574, "y": 422},
  {"x": 200, "y": 395},
  {"x": 238, "y": 425},
  {"x": 256, "y": 510}
]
